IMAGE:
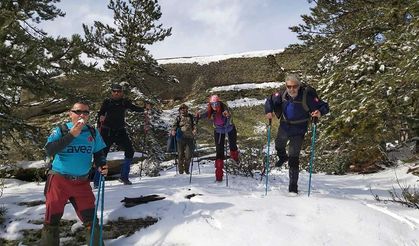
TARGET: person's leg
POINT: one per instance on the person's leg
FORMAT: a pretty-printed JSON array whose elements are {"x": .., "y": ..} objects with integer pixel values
[
  {"x": 280, "y": 145},
  {"x": 188, "y": 154},
  {"x": 295, "y": 145},
  {"x": 83, "y": 201},
  {"x": 232, "y": 141},
  {"x": 181, "y": 155},
  {"x": 219, "y": 162},
  {"x": 124, "y": 141},
  {"x": 55, "y": 202}
]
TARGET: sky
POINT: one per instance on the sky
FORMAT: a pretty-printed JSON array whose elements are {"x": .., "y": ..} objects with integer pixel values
[
  {"x": 201, "y": 27},
  {"x": 341, "y": 209}
]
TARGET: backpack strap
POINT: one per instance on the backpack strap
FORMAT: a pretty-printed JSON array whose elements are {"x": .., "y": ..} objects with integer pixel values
[
  {"x": 304, "y": 102},
  {"x": 64, "y": 130}
]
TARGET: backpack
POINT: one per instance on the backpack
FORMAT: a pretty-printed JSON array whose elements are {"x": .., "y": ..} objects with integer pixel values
[
  {"x": 64, "y": 130},
  {"x": 283, "y": 92}
]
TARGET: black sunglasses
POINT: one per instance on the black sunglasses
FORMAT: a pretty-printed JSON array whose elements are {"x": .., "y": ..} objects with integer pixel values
[{"x": 80, "y": 112}]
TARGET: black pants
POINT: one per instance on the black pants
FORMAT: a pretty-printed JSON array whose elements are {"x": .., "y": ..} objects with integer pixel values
[
  {"x": 121, "y": 138},
  {"x": 219, "y": 142},
  {"x": 294, "y": 148}
]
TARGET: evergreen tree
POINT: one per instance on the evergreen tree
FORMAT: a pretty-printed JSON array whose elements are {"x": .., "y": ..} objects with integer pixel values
[
  {"x": 122, "y": 47},
  {"x": 364, "y": 55},
  {"x": 29, "y": 61}
]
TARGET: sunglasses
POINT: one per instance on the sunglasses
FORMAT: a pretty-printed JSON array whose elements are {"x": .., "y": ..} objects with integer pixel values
[
  {"x": 117, "y": 91},
  {"x": 215, "y": 104},
  {"x": 80, "y": 112},
  {"x": 292, "y": 87}
]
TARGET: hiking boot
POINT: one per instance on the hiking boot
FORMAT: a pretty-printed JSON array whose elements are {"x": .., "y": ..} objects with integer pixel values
[
  {"x": 50, "y": 235},
  {"x": 281, "y": 161},
  {"x": 293, "y": 189},
  {"x": 125, "y": 181}
]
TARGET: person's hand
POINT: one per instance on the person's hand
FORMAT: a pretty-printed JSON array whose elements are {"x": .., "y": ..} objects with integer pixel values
[
  {"x": 316, "y": 114},
  {"x": 148, "y": 106},
  {"x": 269, "y": 116},
  {"x": 103, "y": 170},
  {"x": 76, "y": 129},
  {"x": 173, "y": 132},
  {"x": 226, "y": 113},
  {"x": 102, "y": 118},
  {"x": 194, "y": 132}
]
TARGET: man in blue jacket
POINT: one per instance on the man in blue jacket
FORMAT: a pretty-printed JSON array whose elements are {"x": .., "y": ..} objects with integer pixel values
[
  {"x": 293, "y": 107},
  {"x": 68, "y": 179}
]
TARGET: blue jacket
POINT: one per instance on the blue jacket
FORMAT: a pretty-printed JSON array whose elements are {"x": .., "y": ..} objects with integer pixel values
[
  {"x": 76, "y": 158},
  {"x": 292, "y": 112}
]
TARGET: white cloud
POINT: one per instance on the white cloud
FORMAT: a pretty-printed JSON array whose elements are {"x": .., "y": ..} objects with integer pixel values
[{"x": 200, "y": 27}]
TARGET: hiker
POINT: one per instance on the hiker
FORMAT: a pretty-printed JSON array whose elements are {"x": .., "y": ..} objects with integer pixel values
[
  {"x": 67, "y": 179},
  {"x": 293, "y": 107},
  {"x": 184, "y": 129},
  {"x": 221, "y": 116},
  {"x": 112, "y": 128}
]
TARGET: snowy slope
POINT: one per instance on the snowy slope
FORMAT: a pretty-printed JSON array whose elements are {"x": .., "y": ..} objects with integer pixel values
[{"x": 340, "y": 210}]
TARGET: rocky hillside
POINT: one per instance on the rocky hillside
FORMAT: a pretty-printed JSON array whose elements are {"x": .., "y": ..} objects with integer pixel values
[{"x": 194, "y": 83}]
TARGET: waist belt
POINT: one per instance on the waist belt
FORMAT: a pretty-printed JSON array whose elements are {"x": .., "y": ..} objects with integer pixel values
[{"x": 70, "y": 177}]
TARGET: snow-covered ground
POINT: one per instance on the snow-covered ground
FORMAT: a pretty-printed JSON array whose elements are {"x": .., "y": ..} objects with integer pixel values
[
  {"x": 340, "y": 210},
  {"x": 201, "y": 60}
]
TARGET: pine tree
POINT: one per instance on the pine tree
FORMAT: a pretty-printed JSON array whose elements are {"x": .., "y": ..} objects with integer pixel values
[
  {"x": 364, "y": 56},
  {"x": 30, "y": 59},
  {"x": 122, "y": 46}
]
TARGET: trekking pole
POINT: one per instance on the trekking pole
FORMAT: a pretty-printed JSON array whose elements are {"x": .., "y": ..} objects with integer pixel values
[
  {"x": 267, "y": 158},
  {"x": 190, "y": 174},
  {"x": 176, "y": 154},
  {"x": 225, "y": 148},
  {"x": 101, "y": 210},
  {"x": 146, "y": 128},
  {"x": 100, "y": 195},
  {"x": 313, "y": 140}
]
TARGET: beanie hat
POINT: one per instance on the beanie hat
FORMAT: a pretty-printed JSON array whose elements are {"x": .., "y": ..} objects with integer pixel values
[
  {"x": 214, "y": 98},
  {"x": 116, "y": 87}
]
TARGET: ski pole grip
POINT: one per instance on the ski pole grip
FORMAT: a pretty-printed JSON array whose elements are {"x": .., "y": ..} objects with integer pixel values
[{"x": 270, "y": 121}]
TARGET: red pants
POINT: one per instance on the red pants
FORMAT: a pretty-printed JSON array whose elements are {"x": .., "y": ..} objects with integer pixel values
[{"x": 59, "y": 190}]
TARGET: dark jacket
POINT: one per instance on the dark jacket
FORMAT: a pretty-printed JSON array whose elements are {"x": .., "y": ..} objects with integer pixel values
[
  {"x": 292, "y": 113},
  {"x": 114, "y": 110}
]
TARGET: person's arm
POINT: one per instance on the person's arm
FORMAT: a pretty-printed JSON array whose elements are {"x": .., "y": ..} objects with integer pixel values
[
  {"x": 132, "y": 107},
  {"x": 58, "y": 145},
  {"x": 99, "y": 158},
  {"x": 175, "y": 125},
  {"x": 317, "y": 107},
  {"x": 102, "y": 112},
  {"x": 273, "y": 103}
]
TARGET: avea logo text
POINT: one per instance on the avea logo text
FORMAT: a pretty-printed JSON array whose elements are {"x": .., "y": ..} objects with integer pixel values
[{"x": 79, "y": 149}]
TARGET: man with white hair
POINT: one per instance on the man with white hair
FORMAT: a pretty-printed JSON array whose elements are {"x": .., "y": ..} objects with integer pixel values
[{"x": 293, "y": 107}]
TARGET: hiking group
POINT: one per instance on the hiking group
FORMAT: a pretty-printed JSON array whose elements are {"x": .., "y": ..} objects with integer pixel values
[{"x": 75, "y": 144}]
